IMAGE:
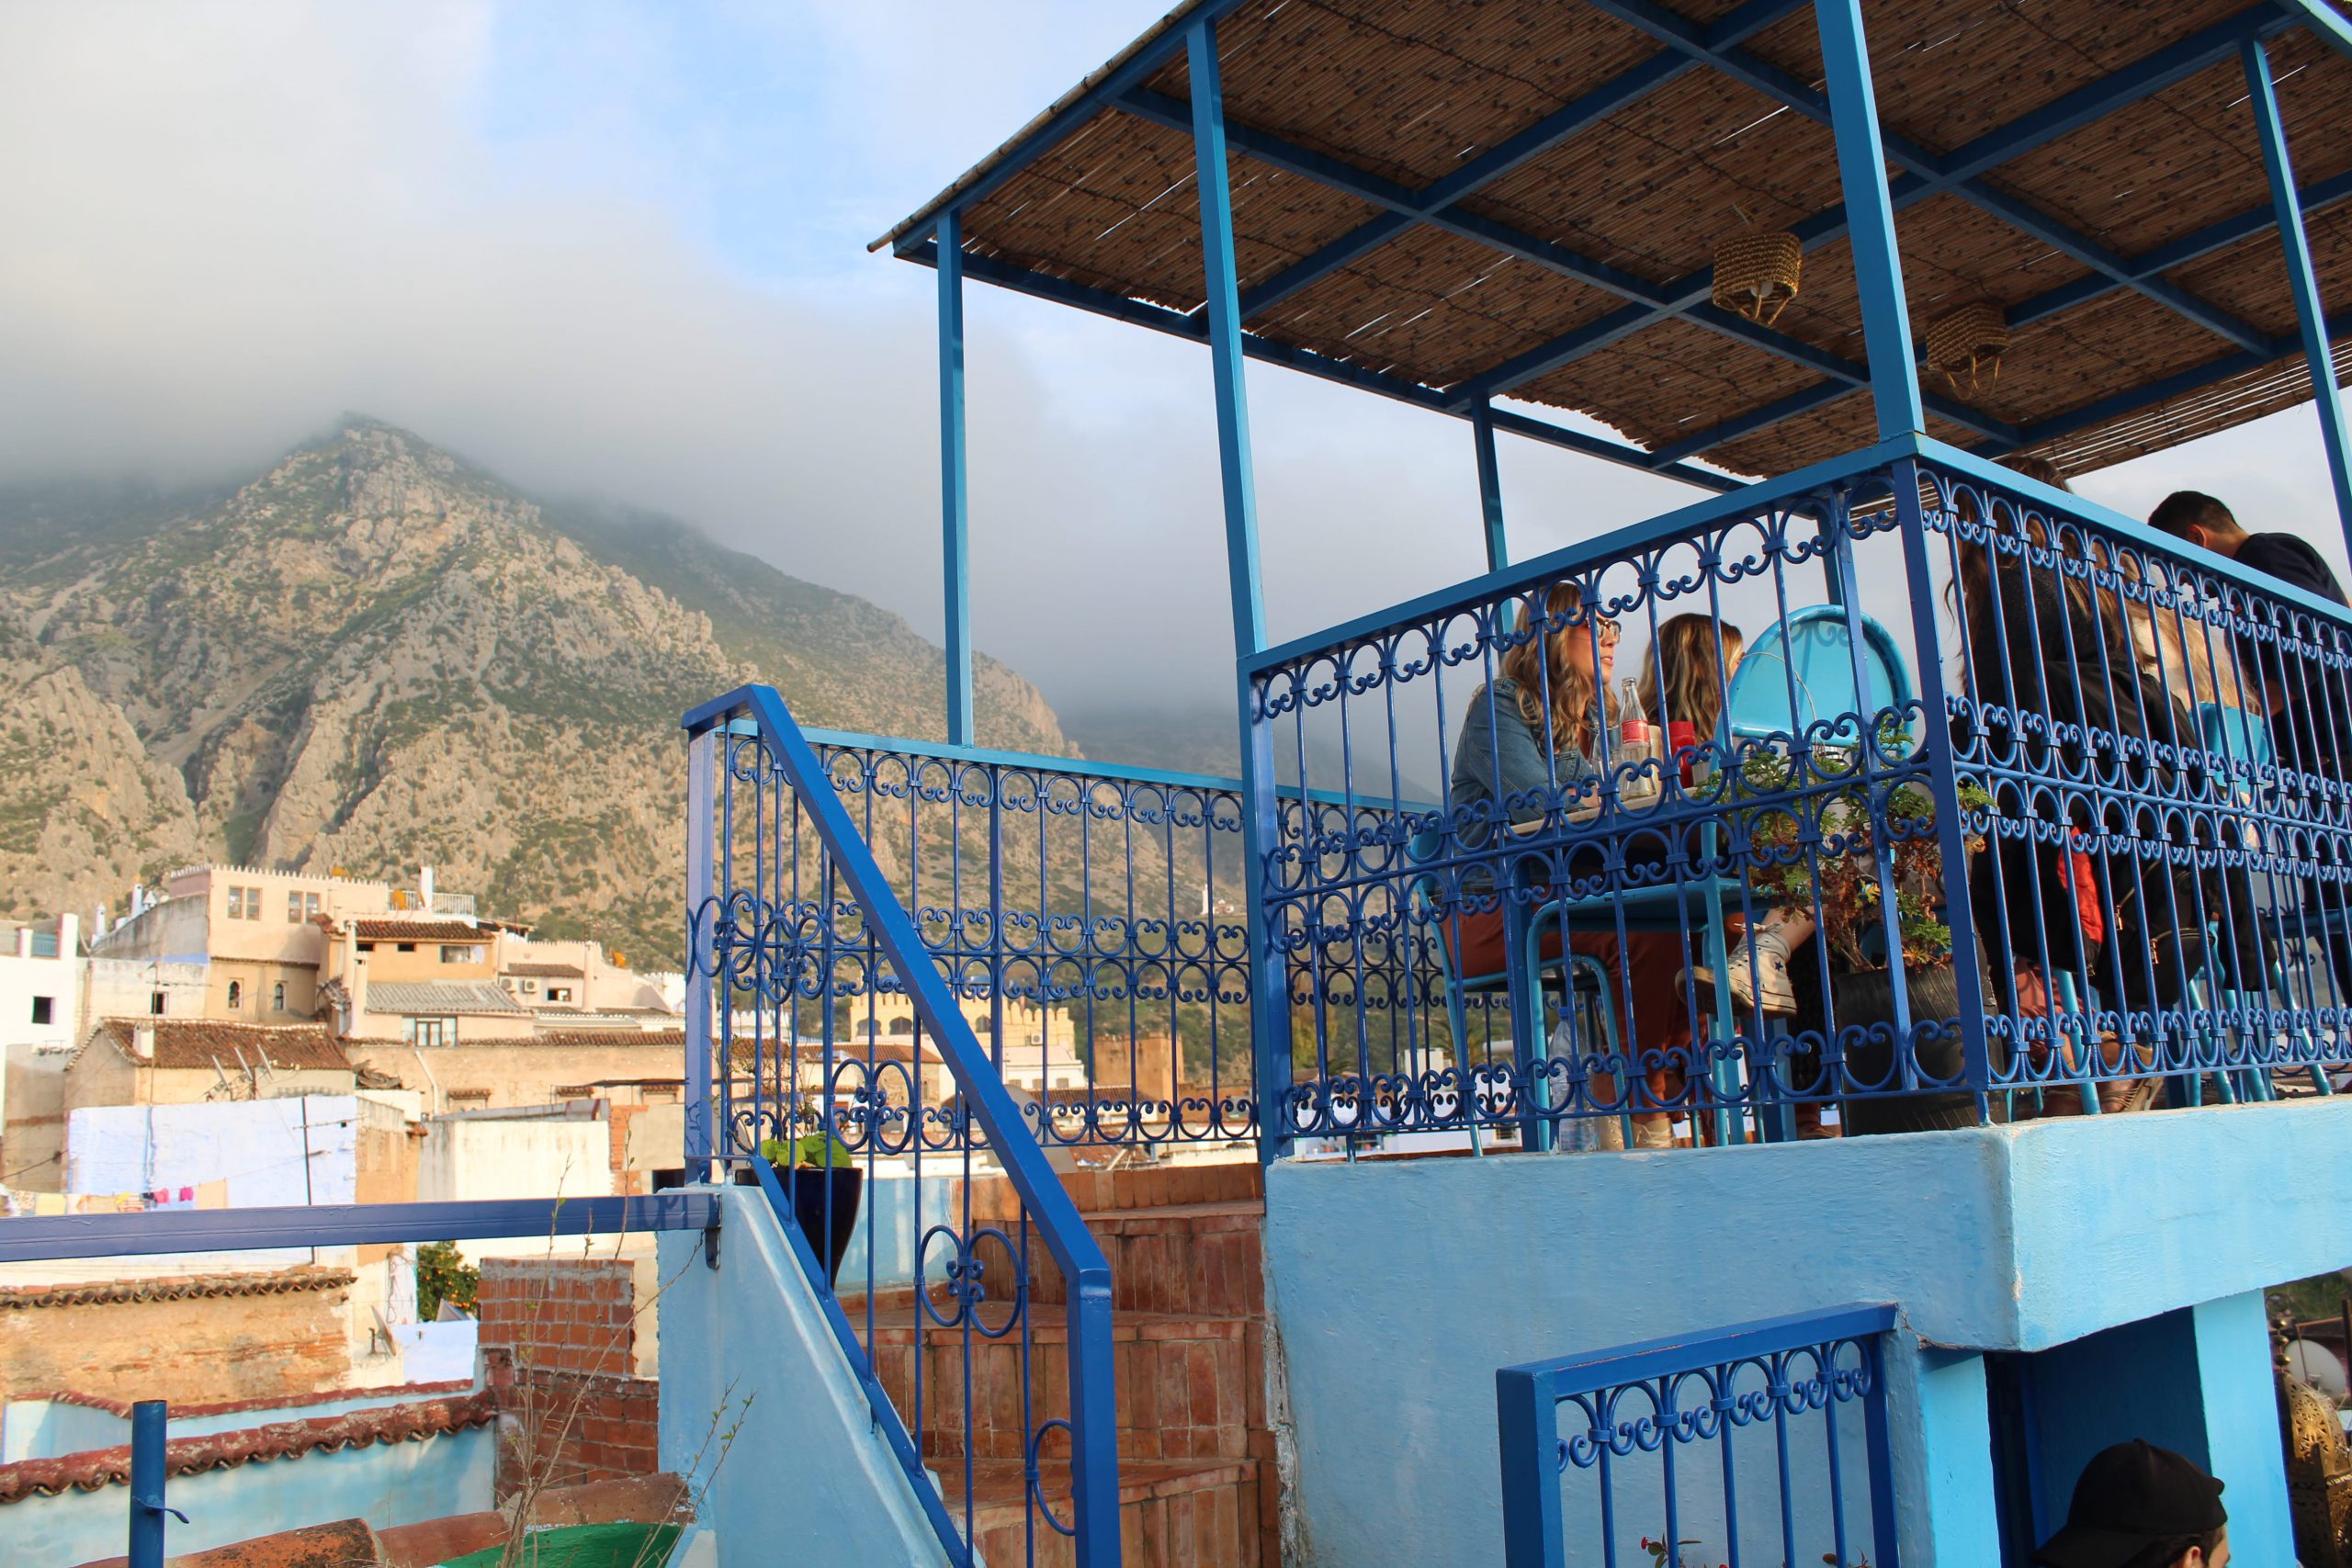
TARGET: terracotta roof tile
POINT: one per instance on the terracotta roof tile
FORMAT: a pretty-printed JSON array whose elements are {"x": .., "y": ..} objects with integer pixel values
[
  {"x": 675, "y": 1039},
  {"x": 198, "y": 1043},
  {"x": 428, "y": 997},
  {"x": 545, "y": 971},
  {"x": 185, "y": 1287},
  {"x": 415, "y": 930},
  {"x": 100, "y": 1468}
]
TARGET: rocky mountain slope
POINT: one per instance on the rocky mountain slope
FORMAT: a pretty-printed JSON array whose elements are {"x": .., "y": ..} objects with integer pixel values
[{"x": 377, "y": 655}]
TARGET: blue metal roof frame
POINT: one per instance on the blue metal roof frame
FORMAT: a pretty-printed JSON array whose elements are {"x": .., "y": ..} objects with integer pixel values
[{"x": 1685, "y": 44}]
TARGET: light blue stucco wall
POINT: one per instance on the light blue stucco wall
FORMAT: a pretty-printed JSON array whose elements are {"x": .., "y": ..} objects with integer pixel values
[
  {"x": 1399, "y": 1288},
  {"x": 45, "y": 1428},
  {"x": 807, "y": 1472},
  {"x": 385, "y": 1483},
  {"x": 2242, "y": 1425}
]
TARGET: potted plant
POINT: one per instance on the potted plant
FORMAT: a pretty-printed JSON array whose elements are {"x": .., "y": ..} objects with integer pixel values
[
  {"x": 820, "y": 1174},
  {"x": 1843, "y": 885}
]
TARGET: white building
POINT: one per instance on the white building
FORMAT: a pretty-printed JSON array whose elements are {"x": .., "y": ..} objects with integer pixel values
[{"x": 41, "y": 1018}]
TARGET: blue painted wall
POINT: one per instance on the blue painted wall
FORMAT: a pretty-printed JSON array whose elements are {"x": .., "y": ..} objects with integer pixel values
[
  {"x": 807, "y": 1475},
  {"x": 2233, "y": 1338},
  {"x": 1399, "y": 1288},
  {"x": 385, "y": 1483}
]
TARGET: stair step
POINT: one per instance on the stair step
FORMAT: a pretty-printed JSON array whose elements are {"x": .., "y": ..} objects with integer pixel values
[{"x": 1172, "y": 1513}]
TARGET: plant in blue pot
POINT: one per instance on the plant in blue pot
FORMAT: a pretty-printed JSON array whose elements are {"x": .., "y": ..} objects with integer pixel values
[{"x": 820, "y": 1174}]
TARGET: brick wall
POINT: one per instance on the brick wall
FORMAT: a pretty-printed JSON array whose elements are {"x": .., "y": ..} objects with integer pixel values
[
  {"x": 213, "y": 1339},
  {"x": 559, "y": 1341}
]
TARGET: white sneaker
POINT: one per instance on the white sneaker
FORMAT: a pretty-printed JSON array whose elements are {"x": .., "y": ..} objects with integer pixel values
[{"x": 1759, "y": 966}]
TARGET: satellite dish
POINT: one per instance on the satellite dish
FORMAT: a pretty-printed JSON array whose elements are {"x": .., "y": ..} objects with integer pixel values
[{"x": 2318, "y": 1366}]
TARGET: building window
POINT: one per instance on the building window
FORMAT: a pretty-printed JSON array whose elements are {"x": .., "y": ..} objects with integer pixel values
[
  {"x": 367, "y": 947},
  {"x": 236, "y": 995},
  {"x": 558, "y": 993},
  {"x": 155, "y": 1003},
  {"x": 408, "y": 947},
  {"x": 300, "y": 907},
  {"x": 236, "y": 902},
  {"x": 43, "y": 1007},
  {"x": 278, "y": 996},
  {"x": 461, "y": 954},
  {"x": 432, "y": 1031}
]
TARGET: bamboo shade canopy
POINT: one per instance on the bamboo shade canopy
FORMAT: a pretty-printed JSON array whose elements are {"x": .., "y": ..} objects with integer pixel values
[{"x": 1396, "y": 95}]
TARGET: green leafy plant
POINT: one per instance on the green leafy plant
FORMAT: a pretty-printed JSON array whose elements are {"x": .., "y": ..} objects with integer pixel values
[
  {"x": 810, "y": 1149},
  {"x": 1842, "y": 869},
  {"x": 443, "y": 1275}
]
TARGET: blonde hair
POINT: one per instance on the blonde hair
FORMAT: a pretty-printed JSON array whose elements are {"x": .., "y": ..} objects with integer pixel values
[
  {"x": 1683, "y": 663},
  {"x": 1539, "y": 664}
]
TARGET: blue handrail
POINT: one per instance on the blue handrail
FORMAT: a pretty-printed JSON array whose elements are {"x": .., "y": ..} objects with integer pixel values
[
  {"x": 1092, "y": 1416},
  {"x": 1691, "y": 1391}
]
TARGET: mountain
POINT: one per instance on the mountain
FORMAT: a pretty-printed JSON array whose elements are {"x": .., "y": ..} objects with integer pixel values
[{"x": 377, "y": 655}]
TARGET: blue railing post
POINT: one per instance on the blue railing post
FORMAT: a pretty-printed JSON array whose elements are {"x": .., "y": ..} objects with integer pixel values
[
  {"x": 954, "y": 492},
  {"x": 149, "y": 1420},
  {"x": 1269, "y": 1007},
  {"x": 1869, "y": 215},
  {"x": 1526, "y": 1423},
  {"x": 703, "y": 757},
  {"x": 1943, "y": 783},
  {"x": 2310, "y": 320}
]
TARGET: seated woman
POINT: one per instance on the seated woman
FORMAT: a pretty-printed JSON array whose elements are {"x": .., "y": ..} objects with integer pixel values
[
  {"x": 1537, "y": 731},
  {"x": 1684, "y": 678}
]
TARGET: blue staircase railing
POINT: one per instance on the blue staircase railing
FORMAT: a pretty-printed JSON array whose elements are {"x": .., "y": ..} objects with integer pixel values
[
  {"x": 1652, "y": 1450},
  {"x": 913, "y": 1177}
]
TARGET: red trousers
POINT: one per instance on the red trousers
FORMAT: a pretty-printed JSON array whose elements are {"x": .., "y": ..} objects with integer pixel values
[{"x": 1644, "y": 968}]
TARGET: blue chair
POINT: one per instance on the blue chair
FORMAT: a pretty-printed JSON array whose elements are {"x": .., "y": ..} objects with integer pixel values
[
  {"x": 1805, "y": 670},
  {"x": 1428, "y": 903}
]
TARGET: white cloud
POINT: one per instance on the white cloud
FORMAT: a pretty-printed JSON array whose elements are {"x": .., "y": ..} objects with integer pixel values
[{"x": 230, "y": 222}]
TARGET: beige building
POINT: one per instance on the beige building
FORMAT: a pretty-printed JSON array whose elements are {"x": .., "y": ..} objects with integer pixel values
[
  {"x": 236, "y": 944},
  {"x": 1040, "y": 1043},
  {"x": 149, "y": 1061}
]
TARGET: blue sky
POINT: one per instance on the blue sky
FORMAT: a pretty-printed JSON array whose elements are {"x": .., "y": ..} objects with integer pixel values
[{"x": 619, "y": 248}]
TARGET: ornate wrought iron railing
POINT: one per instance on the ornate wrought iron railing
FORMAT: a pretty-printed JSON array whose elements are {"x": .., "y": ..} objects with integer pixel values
[
  {"x": 1977, "y": 717},
  {"x": 1007, "y": 1434},
  {"x": 1090, "y": 918},
  {"x": 1765, "y": 1442}
]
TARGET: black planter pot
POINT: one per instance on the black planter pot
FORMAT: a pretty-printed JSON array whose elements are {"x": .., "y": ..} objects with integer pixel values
[
  {"x": 1867, "y": 997},
  {"x": 814, "y": 1189}
]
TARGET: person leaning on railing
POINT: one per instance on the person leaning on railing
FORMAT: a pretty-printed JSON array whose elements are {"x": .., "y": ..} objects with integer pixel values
[
  {"x": 1517, "y": 757},
  {"x": 2309, "y": 715},
  {"x": 2049, "y": 653}
]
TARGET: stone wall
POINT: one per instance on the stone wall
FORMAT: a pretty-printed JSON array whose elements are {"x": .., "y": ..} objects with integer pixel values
[{"x": 204, "y": 1339}]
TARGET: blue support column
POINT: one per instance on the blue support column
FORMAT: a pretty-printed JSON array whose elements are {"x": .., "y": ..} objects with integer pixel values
[
  {"x": 1869, "y": 213},
  {"x": 2310, "y": 319},
  {"x": 149, "y": 1419},
  {"x": 1262, "y": 824},
  {"x": 955, "y": 499},
  {"x": 1490, "y": 485}
]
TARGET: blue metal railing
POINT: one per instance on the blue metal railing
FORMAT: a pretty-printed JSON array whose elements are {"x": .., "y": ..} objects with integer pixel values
[
  {"x": 2050, "y": 811},
  {"x": 1738, "y": 1443},
  {"x": 794, "y": 926}
]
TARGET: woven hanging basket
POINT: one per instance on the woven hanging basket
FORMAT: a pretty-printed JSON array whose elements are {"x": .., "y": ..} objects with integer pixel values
[
  {"x": 1757, "y": 272},
  {"x": 1971, "y": 339}
]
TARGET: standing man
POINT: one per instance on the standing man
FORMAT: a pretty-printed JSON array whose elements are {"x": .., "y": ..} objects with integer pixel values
[{"x": 2199, "y": 518}]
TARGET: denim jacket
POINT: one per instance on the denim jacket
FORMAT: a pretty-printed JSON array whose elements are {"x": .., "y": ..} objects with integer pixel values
[{"x": 1500, "y": 761}]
